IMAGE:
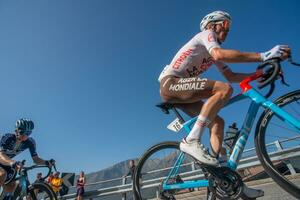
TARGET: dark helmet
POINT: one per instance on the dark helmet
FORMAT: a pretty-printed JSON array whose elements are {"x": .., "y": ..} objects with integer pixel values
[{"x": 25, "y": 126}]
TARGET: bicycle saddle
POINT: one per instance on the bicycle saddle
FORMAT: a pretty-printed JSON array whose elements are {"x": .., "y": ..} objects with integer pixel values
[{"x": 165, "y": 107}]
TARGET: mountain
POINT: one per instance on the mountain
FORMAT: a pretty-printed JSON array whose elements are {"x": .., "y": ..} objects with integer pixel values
[{"x": 114, "y": 172}]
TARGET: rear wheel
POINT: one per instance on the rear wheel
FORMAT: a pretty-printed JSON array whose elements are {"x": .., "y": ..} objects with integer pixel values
[
  {"x": 278, "y": 164},
  {"x": 154, "y": 167}
]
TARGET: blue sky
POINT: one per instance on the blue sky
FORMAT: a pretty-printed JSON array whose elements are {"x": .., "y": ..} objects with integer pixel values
[{"x": 86, "y": 71}]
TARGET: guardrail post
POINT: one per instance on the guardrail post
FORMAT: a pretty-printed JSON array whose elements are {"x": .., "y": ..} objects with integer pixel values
[
  {"x": 288, "y": 163},
  {"x": 278, "y": 145},
  {"x": 290, "y": 167},
  {"x": 124, "y": 196},
  {"x": 193, "y": 166},
  {"x": 123, "y": 183}
]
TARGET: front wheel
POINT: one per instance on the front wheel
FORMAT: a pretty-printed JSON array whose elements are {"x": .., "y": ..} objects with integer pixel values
[
  {"x": 271, "y": 128},
  {"x": 37, "y": 191},
  {"x": 154, "y": 169}
]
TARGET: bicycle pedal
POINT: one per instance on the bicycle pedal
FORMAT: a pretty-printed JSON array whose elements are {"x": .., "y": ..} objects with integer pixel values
[{"x": 206, "y": 165}]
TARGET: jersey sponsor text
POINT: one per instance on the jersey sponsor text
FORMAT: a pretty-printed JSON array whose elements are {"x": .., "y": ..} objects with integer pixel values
[
  {"x": 185, "y": 84},
  {"x": 182, "y": 57}
]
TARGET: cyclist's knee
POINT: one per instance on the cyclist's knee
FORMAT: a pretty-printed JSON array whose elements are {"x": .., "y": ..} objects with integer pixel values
[
  {"x": 224, "y": 90},
  {"x": 227, "y": 91}
]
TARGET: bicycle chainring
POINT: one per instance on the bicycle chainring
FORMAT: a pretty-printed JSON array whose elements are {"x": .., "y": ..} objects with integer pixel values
[{"x": 226, "y": 183}]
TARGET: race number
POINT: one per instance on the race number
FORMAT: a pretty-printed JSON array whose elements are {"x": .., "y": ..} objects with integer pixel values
[{"x": 175, "y": 125}]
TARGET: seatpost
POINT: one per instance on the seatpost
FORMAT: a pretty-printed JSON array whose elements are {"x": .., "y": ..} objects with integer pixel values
[{"x": 181, "y": 120}]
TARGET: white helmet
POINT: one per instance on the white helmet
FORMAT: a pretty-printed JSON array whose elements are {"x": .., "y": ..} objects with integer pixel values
[{"x": 214, "y": 17}]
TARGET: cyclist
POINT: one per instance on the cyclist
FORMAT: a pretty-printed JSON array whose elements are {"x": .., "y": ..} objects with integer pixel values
[
  {"x": 180, "y": 82},
  {"x": 12, "y": 144}
]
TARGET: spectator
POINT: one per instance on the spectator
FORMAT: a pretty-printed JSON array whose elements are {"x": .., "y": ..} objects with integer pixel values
[
  {"x": 131, "y": 169},
  {"x": 131, "y": 173},
  {"x": 39, "y": 178},
  {"x": 80, "y": 186},
  {"x": 56, "y": 182},
  {"x": 50, "y": 177}
]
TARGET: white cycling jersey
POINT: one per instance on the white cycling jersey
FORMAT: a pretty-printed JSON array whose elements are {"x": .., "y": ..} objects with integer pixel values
[{"x": 194, "y": 57}]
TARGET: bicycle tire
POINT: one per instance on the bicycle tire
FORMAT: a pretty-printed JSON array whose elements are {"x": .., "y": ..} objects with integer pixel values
[
  {"x": 261, "y": 134},
  {"x": 39, "y": 191},
  {"x": 146, "y": 170}
]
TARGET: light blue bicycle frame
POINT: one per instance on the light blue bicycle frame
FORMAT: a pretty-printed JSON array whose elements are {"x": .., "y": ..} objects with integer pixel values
[{"x": 257, "y": 100}]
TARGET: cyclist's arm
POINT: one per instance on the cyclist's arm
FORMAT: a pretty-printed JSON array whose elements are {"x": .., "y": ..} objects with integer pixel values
[
  {"x": 5, "y": 160},
  {"x": 231, "y": 76},
  {"x": 209, "y": 40},
  {"x": 234, "y": 56},
  {"x": 32, "y": 149},
  {"x": 37, "y": 160}
]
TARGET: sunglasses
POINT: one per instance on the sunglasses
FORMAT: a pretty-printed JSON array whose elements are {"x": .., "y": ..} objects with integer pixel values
[
  {"x": 27, "y": 133},
  {"x": 225, "y": 24}
]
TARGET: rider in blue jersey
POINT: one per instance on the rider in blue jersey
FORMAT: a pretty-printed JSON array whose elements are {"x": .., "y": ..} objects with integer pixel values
[{"x": 11, "y": 144}]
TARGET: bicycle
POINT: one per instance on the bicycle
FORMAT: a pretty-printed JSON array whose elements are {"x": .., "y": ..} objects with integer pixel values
[
  {"x": 26, "y": 190},
  {"x": 166, "y": 164}
]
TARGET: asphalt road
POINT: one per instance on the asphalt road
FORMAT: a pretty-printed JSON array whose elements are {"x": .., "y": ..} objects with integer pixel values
[
  {"x": 271, "y": 189},
  {"x": 274, "y": 192}
]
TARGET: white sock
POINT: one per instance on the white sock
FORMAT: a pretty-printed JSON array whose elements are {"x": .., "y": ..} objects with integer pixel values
[{"x": 198, "y": 129}]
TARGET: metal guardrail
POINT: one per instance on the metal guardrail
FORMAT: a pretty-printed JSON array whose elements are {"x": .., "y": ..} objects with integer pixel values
[{"x": 280, "y": 153}]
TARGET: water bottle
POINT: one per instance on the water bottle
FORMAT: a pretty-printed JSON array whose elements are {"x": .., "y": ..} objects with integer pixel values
[{"x": 231, "y": 136}]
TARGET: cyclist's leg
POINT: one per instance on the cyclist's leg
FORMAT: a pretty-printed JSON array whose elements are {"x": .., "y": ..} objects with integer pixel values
[
  {"x": 217, "y": 135},
  {"x": 2, "y": 176},
  {"x": 217, "y": 132},
  {"x": 190, "y": 90},
  {"x": 10, "y": 187},
  {"x": 221, "y": 93},
  {"x": 2, "y": 181},
  {"x": 216, "y": 127}
]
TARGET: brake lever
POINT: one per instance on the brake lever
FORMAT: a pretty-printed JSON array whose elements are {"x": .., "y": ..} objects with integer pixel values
[
  {"x": 283, "y": 82},
  {"x": 290, "y": 60}
]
